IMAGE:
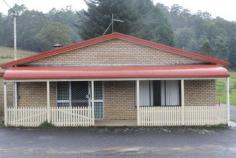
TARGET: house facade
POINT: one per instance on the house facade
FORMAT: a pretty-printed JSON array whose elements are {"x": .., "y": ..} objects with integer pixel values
[{"x": 112, "y": 80}]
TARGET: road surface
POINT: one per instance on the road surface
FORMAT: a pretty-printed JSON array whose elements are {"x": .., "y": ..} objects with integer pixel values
[{"x": 118, "y": 142}]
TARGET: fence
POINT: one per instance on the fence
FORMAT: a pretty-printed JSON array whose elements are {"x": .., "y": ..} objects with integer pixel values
[
  {"x": 176, "y": 116},
  {"x": 26, "y": 116},
  {"x": 147, "y": 116},
  {"x": 76, "y": 116},
  {"x": 63, "y": 116}
]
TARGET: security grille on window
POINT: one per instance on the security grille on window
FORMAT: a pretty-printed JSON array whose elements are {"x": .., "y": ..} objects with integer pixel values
[
  {"x": 78, "y": 93},
  {"x": 63, "y": 94},
  {"x": 160, "y": 93},
  {"x": 98, "y": 99},
  {"x": 72, "y": 93}
]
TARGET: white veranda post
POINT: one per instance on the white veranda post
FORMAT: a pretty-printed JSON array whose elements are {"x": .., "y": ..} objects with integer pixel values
[
  {"x": 182, "y": 102},
  {"x": 228, "y": 99},
  {"x": 137, "y": 101},
  {"x": 5, "y": 102},
  {"x": 92, "y": 93},
  {"x": 48, "y": 102},
  {"x": 15, "y": 95}
]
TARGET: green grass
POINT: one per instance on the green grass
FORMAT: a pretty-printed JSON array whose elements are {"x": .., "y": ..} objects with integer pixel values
[
  {"x": 46, "y": 125},
  {"x": 6, "y": 54},
  {"x": 221, "y": 89}
]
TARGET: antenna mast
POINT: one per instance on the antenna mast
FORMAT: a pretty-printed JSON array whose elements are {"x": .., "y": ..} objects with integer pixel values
[{"x": 112, "y": 24}]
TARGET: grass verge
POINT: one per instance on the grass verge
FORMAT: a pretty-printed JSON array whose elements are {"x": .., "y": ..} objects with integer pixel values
[
  {"x": 46, "y": 124},
  {"x": 221, "y": 89}
]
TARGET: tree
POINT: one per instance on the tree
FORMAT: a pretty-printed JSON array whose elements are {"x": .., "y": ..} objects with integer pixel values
[
  {"x": 1, "y": 27},
  {"x": 54, "y": 33},
  {"x": 141, "y": 17},
  {"x": 206, "y": 48},
  {"x": 67, "y": 17}
]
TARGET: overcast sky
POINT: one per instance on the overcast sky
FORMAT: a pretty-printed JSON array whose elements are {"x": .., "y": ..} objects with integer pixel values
[{"x": 225, "y": 9}]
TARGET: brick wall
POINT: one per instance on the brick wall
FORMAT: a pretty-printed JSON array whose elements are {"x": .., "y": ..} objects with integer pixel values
[
  {"x": 117, "y": 52},
  {"x": 119, "y": 100},
  {"x": 200, "y": 92},
  {"x": 119, "y": 96},
  {"x": 35, "y": 94}
]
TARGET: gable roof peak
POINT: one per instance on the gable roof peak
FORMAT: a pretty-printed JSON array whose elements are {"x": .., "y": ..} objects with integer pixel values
[{"x": 116, "y": 35}]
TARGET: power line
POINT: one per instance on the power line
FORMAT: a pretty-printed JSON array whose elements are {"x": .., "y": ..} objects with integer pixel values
[{"x": 7, "y": 4}]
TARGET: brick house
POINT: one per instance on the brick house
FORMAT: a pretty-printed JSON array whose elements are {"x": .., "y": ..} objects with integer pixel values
[{"x": 115, "y": 79}]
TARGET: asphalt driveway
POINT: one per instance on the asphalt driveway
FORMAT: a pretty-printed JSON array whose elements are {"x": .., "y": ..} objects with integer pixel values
[{"x": 117, "y": 142}]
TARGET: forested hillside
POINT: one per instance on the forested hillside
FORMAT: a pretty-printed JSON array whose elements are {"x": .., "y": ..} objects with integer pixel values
[
  {"x": 175, "y": 26},
  {"x": 200, "y": 32}
]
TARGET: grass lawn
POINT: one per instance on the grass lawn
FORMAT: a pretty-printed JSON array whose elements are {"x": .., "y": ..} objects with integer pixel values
[
  {"x": 6, "y": 54},
  {"x": 221, "y": 89}
]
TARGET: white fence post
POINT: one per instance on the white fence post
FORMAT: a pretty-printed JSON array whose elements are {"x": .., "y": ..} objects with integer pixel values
[{"x": 48, "y": 102}]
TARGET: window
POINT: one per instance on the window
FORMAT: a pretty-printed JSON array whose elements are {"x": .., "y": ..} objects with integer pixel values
[
  {"x": 63, "y": 94},
  {"x": 160, "y": 93},
  {"x": 79, "y": 93},
  {"x": 72, "y": 93},
  {"x": 98, "y": 100}
]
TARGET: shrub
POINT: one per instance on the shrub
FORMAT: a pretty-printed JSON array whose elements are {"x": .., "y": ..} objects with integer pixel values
[{"x": 46, "y": 124}]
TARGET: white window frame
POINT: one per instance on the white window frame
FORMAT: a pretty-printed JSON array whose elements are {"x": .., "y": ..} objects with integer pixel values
[
  {"x": 89, "y": 100},
  {"x": 63, "y": 101},
  {"x": 101, "y": 101},
  {"x": 151, "y": 99}
]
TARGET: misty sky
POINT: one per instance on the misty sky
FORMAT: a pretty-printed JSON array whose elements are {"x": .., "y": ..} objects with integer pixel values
[{"x": 225, "y": 9}]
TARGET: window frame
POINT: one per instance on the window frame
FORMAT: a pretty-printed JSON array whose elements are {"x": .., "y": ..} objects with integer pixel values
[
  {"x": 180, "y": 98},
  {"x": 152, "y": 97},
  {"x": 100, "y": 101},
  {"x": 63, "y": 101},
  {"x": 89, "y": 99}
]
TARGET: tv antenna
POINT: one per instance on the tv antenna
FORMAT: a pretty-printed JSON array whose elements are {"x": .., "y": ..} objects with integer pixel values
[{"x": 112, "y": 24}]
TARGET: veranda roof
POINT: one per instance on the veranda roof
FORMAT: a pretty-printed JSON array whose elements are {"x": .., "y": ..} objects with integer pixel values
[{"x": 115, "y": 72}]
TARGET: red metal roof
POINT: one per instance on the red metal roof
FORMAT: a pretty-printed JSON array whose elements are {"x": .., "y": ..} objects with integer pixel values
[
  {"x": 115, "y": 72},
  {"x": 1, "y": 74},
  {"x": 120, "y": 36}
]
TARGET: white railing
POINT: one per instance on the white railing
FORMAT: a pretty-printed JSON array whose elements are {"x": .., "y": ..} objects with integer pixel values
[
  {"x": 205, "y": 115},
  {"x": 76, "y": 116},
  {"x": 159, "y": 116},
  {"x": 177, "y": 116},
  {"x": 63, "y": 116},
  {"x": 26, "y": 116}
]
